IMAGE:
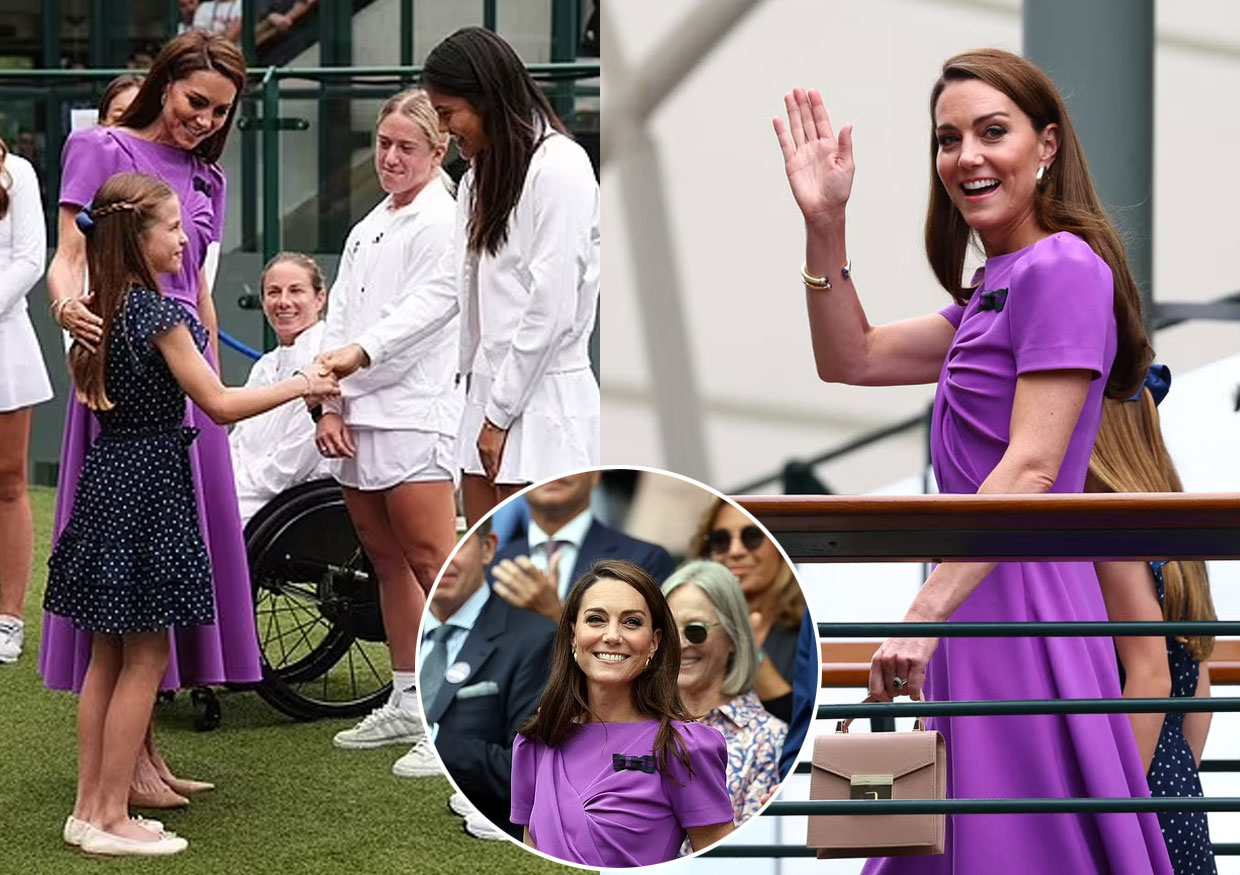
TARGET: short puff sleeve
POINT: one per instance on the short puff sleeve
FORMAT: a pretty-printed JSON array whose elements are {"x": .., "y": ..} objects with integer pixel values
[
  {"x": 524, "y": 771},
  {"x": 1061, "y": 308},
  {"x": 148, "y": 314},
  {"x": 700, "y": 799},
  {"x": 88, "y": 159}
]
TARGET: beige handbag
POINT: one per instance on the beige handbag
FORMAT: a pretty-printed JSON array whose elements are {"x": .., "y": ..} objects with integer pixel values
[{"x": 878, "y": 765}]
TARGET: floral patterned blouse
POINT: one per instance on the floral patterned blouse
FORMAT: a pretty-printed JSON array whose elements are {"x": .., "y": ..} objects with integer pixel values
[{"x": 755, "y": 740}]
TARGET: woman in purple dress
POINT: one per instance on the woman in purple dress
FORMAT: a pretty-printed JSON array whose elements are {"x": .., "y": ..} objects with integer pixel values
[
  {"x": 1023, "y": 358},
  {"x": 611, "y": 771},
  {"x": 174, "y": 130}
]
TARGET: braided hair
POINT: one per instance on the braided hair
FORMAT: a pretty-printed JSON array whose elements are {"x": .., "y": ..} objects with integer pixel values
[{"x": 124, "y": 207}]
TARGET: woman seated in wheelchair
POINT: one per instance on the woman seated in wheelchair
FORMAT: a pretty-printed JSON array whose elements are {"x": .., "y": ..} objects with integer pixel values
[{"x": 276, "y": 450}]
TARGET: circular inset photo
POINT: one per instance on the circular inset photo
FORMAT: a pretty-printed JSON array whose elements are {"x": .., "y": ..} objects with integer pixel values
[{"x": 616, "y": 668}]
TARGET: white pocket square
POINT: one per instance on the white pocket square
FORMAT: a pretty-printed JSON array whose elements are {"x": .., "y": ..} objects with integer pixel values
[{"x": 482, "y": 688}]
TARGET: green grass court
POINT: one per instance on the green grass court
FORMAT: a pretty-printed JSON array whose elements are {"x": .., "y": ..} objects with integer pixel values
[{"x": 287, "y": 802}]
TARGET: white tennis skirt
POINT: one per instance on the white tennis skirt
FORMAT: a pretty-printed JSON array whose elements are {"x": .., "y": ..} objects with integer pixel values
[
  {"x": 23, "y": 376},
  {"x": 385, "y": 458},
  {"x": 557, "y": 432}
]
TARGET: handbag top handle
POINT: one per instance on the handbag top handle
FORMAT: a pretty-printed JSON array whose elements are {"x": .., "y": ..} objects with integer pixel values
[{"x": 919, "y": 725}]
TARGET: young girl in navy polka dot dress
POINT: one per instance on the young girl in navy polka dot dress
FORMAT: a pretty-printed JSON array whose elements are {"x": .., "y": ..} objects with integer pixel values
[
  {"x": 1129, "y": 456},
  {"x": 131, "y": 562}
]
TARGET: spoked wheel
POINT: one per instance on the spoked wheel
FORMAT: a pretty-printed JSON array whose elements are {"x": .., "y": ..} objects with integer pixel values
[{"x": 316, "y": 606}]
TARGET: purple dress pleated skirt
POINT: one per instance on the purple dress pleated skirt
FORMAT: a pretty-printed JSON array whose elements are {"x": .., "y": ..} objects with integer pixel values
[
  {"x": 227, "y": 650},
  {"x": 1045, "y": 307}
]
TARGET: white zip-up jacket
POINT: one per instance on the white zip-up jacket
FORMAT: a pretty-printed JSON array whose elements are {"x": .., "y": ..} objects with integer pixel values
[
  {"x": 395, "y": 295},
  {"x": 528, "y": 310}
]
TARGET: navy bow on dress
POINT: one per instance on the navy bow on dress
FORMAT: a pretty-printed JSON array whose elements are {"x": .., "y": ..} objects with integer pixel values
[
  {"x": 993, "y": 300},
  {"x": 620, "y": 763}
]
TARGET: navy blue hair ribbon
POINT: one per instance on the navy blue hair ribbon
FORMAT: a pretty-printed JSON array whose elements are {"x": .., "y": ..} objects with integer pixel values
[
  {"x": 1158, "y": 381},
  {"x": 84, "y": 222}
]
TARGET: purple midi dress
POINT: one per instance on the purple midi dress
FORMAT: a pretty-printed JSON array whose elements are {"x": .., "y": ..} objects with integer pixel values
[
  {"x": 1048, "y": 306},
  {"x": 227, "y": 650},
  {"x": 580, "y": 808}
]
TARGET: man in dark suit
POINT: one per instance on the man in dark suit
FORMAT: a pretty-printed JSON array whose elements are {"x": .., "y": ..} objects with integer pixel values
[
  {"x": 561, "y": 543},
  {"x": 482, "y": 668}
]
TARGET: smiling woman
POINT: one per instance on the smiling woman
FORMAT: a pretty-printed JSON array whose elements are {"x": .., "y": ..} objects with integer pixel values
[
  {"x": 1023, "y": 358},
  {"x": 174, "y": 130},
  {"x": 611, "y": 731},
  {"x": 275, "y": 451}
]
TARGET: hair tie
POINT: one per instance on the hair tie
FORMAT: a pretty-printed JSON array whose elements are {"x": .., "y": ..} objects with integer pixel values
[
  {"x": 1158, "y": 381},
  {"x": 84, "y": 222}
]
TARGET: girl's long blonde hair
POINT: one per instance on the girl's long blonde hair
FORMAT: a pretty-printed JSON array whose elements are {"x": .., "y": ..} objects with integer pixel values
[{"x": 1130, "y": 456}]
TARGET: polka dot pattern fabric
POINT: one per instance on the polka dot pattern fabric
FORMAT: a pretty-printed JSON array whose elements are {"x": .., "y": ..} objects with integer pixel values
[
  {"x": 1173, "y": 771},
  {"x": 132, "y": 557}
]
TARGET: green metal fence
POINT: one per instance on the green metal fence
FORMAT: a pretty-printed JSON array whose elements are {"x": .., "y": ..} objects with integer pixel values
[{"x": 812, "y": 519}]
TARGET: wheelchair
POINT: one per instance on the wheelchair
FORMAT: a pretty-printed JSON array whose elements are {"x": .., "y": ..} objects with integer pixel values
[{"x": 316, "y": 607}]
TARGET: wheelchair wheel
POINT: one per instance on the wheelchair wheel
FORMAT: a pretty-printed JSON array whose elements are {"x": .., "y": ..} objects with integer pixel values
[{"x": 316, "y": 606}]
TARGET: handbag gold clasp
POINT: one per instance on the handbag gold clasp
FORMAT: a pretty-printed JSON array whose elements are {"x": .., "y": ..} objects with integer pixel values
[{"x": 871, "y": 786}]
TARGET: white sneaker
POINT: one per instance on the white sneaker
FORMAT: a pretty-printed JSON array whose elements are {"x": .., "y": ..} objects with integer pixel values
[
  {"x": 382, "y": 726},
  {"x": 481, "y": 828},
  {"x": 460, "y": 805},
  {"x": 420, "y": 762},
  {"x": 12, "y": 634}
]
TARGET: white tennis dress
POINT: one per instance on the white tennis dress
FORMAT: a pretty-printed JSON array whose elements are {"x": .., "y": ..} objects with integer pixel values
[
  {"x": 526, "y": 317},
  {"x": 23, "y": 255}
]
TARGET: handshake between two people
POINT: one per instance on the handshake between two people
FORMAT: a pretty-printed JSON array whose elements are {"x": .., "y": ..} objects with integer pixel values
[{"x": 331, "y": 434}]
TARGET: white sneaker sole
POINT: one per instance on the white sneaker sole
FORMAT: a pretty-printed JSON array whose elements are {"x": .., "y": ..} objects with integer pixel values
[
  {"x": 416, "y": 772},
  {"x": 349, "y": 744},
  {"x": 458, "y": 804}
]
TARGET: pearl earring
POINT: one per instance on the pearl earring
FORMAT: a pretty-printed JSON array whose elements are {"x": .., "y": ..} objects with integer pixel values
[
  {"x": 574, "y": 655},
  {"x": 1040, "y": 174}
]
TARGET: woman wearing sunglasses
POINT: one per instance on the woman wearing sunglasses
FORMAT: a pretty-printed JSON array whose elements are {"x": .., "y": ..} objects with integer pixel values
[
  {"x": 611, "y": 771},
  {"x": 718, "y": 667},
  {"x": 729, "y": 536}
]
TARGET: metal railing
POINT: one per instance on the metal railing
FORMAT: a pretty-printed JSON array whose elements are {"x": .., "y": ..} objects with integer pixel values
[{"x": 1129, "y": 526}]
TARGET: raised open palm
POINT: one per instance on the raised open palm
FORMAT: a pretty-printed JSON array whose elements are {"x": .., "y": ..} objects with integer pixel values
[{"x": 819, "y": 166}]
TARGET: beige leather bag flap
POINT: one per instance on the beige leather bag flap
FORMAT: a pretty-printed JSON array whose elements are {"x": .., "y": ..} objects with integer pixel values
[{"x": 878, "y": 765}]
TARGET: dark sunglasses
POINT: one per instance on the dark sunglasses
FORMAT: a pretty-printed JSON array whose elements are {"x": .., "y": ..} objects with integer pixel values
[
  {"x": 720, "y": 540},
  {"x": 696, "y": 632}
]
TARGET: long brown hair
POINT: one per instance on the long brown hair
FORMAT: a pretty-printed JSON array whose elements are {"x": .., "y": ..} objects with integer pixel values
[
  {"x": 123, "y": 208},
  {"x": 480, "y": 67},
  {"x": 180, "y": 57},
  {"x": 656, "y": 694},
  {"x": 791, "y": 599},
  {"x": 6, "y": 181},
  {"x": 1130, "y": 456},
  {"x": 1065, "y": 201}
]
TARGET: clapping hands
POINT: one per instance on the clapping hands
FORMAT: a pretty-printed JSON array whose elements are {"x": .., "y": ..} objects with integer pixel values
[{"x": 522, "y": 584}]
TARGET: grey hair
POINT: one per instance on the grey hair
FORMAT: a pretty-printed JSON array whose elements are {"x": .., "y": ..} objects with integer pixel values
[{"x": 724, "y": 592}]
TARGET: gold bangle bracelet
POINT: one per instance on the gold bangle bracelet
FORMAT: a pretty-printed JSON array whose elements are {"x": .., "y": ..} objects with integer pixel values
[{"x": 817, "y": 283}]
